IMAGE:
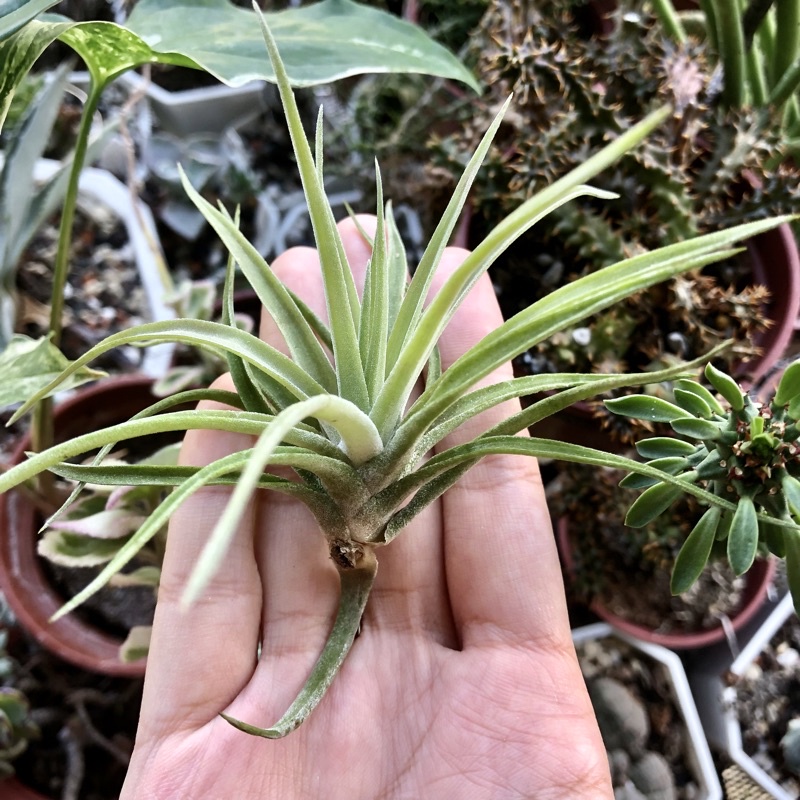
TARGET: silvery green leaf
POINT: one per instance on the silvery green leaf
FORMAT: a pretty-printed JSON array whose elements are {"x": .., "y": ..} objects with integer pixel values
[
  {"x": 726, "y": 386},
  {"x": 14, "y": 14},
  {"x": 774, "y": 539},
  {"x": 29, "y": 365},
  {"x": 645, "y": 407},
  {"x": 743, "y": 536},
  {"x": 695, "y": 551},
  {"x": 319, "y": 43}
]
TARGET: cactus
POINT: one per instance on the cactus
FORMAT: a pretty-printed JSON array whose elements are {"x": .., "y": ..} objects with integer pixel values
[{"x": 706, "y": 168}]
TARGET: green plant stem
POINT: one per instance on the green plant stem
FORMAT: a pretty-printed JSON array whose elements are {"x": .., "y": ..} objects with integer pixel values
[
  {"x": 756, "y": 76},
  {"x": 731, "y": 51},
  {"x": 42, "y": 432},
  {"x": 787, "y": 19},
  {"x": 754, "y": 15},
  {"x": 670, "y": 20},
  {"x": 712, "y": 28}
]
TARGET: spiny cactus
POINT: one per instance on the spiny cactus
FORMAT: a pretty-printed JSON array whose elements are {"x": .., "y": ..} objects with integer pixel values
[{"x": 706, "y": 168}]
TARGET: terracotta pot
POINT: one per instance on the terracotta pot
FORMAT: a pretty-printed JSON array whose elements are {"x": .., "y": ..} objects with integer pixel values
[
  {"x": 758, "y": 581},
  {"x": 23, "y": 581},
  {"x": 776, "y": 265},
  {"x": 12, "y": 789}
]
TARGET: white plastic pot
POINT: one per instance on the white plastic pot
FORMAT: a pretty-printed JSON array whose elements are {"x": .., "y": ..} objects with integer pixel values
[
  {"x": 714, "y": 685},
  {"x": 207, "y": 109},
  {"x": 698, "y": 757},
  {"x": 103, "y": 187}
]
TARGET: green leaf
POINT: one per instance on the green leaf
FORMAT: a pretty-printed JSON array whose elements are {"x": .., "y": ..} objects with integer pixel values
[
  {"x": 319, "y": 43},
  {"x": 663, "y": 447},
  {"x": 646, "y": 407},
  {"x": 789, "y": 384},
  {"x": 792, "y": 543},
  {"x": 356, "y": 586},
  {"x": 726, "y": 386},
  {"x": 790, "y": 487},
  {"x": 698, "y": 389},
  {"x": 695, "y": 551},
  {"x": 16, "y": 13},
  {"x": 672, "y": 465},
  {"x": 337, "y": 278},
  {"x": 76, "y": 550},
  {"x": 701, "y": 429},
  {"x": 212, "y": 336},
  {"x": 774, "y": 539},
  {"x": 136, "y": 645},
  {"x": 652, "y": 503},
  {"x": 692, "y": 402},
  {"x": 743, "y": 536},
  {"x": 28, "y": 366}
]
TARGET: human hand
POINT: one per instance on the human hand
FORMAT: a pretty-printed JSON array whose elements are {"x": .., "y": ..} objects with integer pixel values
[{"x": 463, "y": 682}]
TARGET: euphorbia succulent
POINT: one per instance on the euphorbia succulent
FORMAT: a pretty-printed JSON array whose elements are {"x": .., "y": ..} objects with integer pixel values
[
  {"x": 341, "y": 410},
  {"x": 745, "y": 452}
]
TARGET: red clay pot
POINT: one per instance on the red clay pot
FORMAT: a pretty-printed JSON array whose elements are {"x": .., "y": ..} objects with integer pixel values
[
  {"x": 776, "y": 265},
  {"x": 12, "y": 789},
  {"x": 758, "y": 581},
  {"x": 23, "y": 581}
]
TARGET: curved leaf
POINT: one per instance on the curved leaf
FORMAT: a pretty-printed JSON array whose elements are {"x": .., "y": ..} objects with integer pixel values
[
  {"x": 646, "y": 407},
  {"x": 16, "y": 13},
  {"x": 319, "y": 43},
  {"x": 743, "y": 536},
  {"x": 356, "y": 586},
  {"x": 211, "y": 336},
  {"x": 693, "y": 556}
]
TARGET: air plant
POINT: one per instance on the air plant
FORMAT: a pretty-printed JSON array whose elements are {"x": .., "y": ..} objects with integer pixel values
[{"x": 339, "y": 409}]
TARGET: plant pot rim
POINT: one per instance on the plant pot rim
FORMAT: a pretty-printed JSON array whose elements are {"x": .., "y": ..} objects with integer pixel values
[
  {"x": 705, "y": 771},
  {"x": 13, "y": 789},
  {"x": 23, "y": 582},
  {"x": 759, "y": 579}
]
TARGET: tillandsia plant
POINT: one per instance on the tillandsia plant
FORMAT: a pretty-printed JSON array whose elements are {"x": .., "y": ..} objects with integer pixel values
[
  {"x": 745, "y": 452},
  {"x": 340, "y": 409}
]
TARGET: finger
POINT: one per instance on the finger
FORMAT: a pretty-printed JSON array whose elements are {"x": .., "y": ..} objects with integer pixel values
[
  {"x": 502, "y": 566},
  {"x": 215, "y": 641}
]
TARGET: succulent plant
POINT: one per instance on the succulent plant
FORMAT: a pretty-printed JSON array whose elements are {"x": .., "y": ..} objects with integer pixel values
[
  {"x": 709, "y": 167},
  {"x": 17, "y": 727},
  {"x": 745, "y": 452}
]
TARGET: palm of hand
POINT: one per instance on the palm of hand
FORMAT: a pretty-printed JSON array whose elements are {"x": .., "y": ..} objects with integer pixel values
[{"x": 463, "y": 682}]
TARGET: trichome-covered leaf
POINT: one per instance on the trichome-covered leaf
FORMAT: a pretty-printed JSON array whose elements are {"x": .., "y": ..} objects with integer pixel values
[{"x": 694, "y": 553}]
